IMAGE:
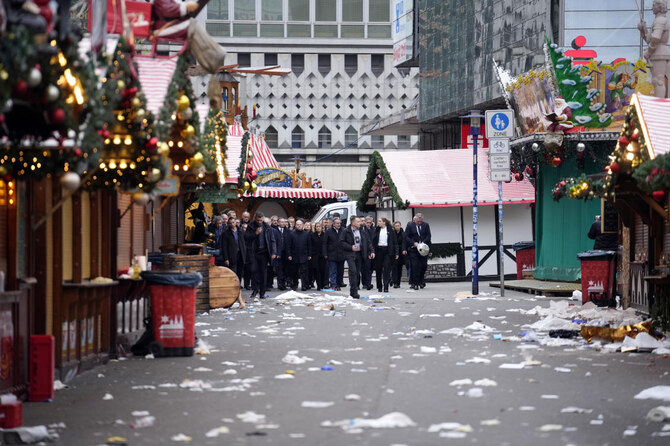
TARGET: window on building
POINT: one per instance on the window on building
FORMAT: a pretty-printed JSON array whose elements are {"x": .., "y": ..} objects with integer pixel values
[
  {"x": 245, "y": 30},
  {"x": 378, "y": 142},
  {"x": 271, "y": 137},
  {"x": 217, "y": 10},
  {"x": 245, "y": 10},
  {"x": 297, "y": 138},
  {"x": 325, "y": 10},
  {"x": 272, "y": 30},
  {"x": 270, "y": 59},
  {"x": 298, "y": 10},
  {"x": 297, "y": 63},
  {"x": 217, "y": 28},
  {"x": 271, "y": 10},
  {"x": 324, "y": 138},
  {"x": 350, "y": 64},
  {"x": 352, "y": 31},
  {"x": 324, "y": 64},
  {"x": 352, "y": 10},
  {"x": 351, "y": 137},
  {"x": 379, "y": 10},
  {"x": 403, "y": 142},
  {"x": 244, "y": 60},
  {"x": 377, "y": 64}
]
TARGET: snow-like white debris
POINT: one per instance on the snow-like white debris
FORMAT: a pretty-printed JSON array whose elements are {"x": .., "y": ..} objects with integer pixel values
[
  {"x": 317, "y": 404},
  {"x": 655, "y": 393},
  {"x": 388, "y": 421}
]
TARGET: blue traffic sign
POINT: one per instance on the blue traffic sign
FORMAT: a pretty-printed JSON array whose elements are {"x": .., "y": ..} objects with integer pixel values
[{"x": 499, "y": 124}]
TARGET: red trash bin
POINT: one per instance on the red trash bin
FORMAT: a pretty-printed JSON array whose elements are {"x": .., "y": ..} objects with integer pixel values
[
  {"x": 172, "y": 312},
  {"x": 525, "y": 259},
  {"x": 598, "y": 273}
]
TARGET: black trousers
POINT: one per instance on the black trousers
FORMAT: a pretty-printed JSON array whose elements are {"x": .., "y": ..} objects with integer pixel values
[
  {"x": 419, "y": 267},
  {"x": 366, "y": 271},
  {"x": 354, "y": 261},
  {"x": 382, "y": 263},
  {"x": 317, "y": 272},
  {"x": 248, "y": 272},
  {"x": 397, "y": 269},
  {"x": 300, "y": 271},
  {"x": 261, "y": 261}
]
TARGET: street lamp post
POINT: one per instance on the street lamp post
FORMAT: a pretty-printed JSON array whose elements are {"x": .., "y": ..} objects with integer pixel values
[{"x": 475, "y": 122}]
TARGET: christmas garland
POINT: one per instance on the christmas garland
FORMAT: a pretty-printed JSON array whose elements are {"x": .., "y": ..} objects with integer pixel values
[
  {"x": 654, "y": 175},
  {"x": 130, "y": 157},
  {"x": 242, "y": 168},
  {"x": 46, "y": 93},
  {"x": 214, "y": 144},
  {"x": 583, "y": 187},
  {"x": 378, "y": 163}
]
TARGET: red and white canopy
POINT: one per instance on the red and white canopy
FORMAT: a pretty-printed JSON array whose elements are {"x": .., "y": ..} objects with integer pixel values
[
  {"x": 262, "y": 156},
  {"x": 155, "y": 76},
  {"x": 288, "y": 192},
  {"x": 653, "y": 113}
]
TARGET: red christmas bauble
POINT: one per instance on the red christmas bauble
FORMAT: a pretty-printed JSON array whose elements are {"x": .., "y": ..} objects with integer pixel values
[
  {"x": 253, "y": 175},
  {"x": 518, "y": 176},
  {"x": 615, "y": 168},
  {"x": 21, "y": 87},
  {"x": 250, "y": 166},
  {"x": 562, "y": 183},
  {"x": 56, "y": 116},
  {"x": 47, "y": 13},
  {"x": 41, "y": 2},
  {"x": 77, "y": 151},
  {"x": 623, "y": 141},
  {"x": 556, "y": 161},
  {"x": 658, "y": 195},
  {"x": 152, "y": 144},
  {"x": 580, "y": 154}
]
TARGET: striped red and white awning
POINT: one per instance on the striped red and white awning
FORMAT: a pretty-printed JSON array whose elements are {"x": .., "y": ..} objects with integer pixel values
[
  {"x": 287, "y": 192},
  {"x": 653, "y": 113},
  {"x": 155, "y": 76}
]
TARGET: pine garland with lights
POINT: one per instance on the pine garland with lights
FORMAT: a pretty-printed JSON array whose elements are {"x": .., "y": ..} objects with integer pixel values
[
  {"x": 130, "y": 157},
  {"x": 583, "y": 187},
  {"x": 653, "y": 176},
  {"x": 47, "y": 106},
  {"x": 369, "y": 182},
  {"x": 214, "y": 144},
  {"x": 179, "y": 124}
]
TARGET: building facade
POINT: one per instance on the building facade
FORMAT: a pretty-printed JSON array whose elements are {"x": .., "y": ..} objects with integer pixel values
[{"x": 340, "y": 54}]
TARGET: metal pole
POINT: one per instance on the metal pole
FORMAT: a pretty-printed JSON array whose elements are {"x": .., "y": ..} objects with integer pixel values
[
  {"x": 502, "y": 245},
  {"x": 474, "y": 131}
]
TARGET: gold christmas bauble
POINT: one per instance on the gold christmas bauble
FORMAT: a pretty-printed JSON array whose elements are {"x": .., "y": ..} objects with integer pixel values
[
  {"x": 188, "y": 132},
  {"x": 121, "y": 85},
  {"x": 155, "y": 174},
  {"x": 140, "y": 198},
  {"x": 197, "y": 160},
  {"x": 3, "y": 171},
  {"x": 246, "y": 185},
  {"x": 183, "y": 103},
  {"x": 136, "y": 102},
  {"x": 164, "y": 150},
  {"x": 140, "y": 113},
  {"x": 254, "y": 187}
]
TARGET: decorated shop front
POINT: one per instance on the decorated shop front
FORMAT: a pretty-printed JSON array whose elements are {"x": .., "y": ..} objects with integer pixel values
[{"x": 569, "y": 117}]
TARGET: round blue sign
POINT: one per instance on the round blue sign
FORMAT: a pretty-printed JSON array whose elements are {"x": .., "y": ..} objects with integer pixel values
[{"x": 500, "y": 121}]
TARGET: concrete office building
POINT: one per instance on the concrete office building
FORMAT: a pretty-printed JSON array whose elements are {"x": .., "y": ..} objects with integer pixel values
[{"x": 340, "y": 55}]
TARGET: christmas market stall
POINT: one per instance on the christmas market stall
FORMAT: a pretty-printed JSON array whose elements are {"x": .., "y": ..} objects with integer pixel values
[
  {"x": 438, "y": 183},
  {"x": 636, "y": 183},
  {"x": 568, "y": 117}
]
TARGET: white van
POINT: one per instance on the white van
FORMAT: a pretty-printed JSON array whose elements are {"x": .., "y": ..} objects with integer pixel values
[{"x": 345, "y": 210}]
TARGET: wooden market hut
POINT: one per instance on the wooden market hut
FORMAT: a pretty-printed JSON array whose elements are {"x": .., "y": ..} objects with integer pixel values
[{"x": 438, "y": 183}]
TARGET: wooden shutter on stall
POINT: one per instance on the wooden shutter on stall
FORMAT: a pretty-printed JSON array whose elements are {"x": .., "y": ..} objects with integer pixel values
[
  {"x": 138, "y": 231},
  {"x": 85, "y": 235},
  {"x": 641, "y": 238},
  {"x": 123, "y": 256},
  {"x": 173, "y": 221},
  {"x": 4, "y": 215},
  {"x": 66, "y": 241}
]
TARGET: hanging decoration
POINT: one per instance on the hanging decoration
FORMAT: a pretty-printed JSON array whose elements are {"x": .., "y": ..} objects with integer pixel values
[
  {"x": 47, "y": 102},
  {"x": 246, "y": 182},
  {"x": 178, "y": 124},
  {"x": 573, "y": 85},
  {"x": 214, "y": 143},
  {"x": 130, "y": 157},
  {"x": 584, "y": 187}
]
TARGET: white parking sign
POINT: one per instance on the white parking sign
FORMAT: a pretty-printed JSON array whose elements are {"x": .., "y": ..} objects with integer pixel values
[{"x": 500, "y": 123}]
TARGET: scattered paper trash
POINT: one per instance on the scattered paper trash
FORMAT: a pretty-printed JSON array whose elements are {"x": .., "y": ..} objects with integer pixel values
[
  {"x": 317, "y": 404},
  {"x": 107, "y": 397},
  {"x": 388, "y": 421},
  {"x": 181, "y": 438},
  {"x": 655, "y": 393},
  {"x": 550, "y": 427},
  {"x": 58, "y": 385},
  {"x": 145, "y": 421},
  {"x": 218, "y": 431},
  {"x": 352, "y": 397}
]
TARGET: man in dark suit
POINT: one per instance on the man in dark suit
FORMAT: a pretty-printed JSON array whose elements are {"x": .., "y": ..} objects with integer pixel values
[
  {"x": 298, "y": 251},
  {"x": 357, "y": 246},
  {"x": 417, "y": 231},
  {"x": 278, "y": 263},
  {"x": 262, "y": 244},
  {"x": 333, "y": 253},
  {"x": 233, "y": 249}
]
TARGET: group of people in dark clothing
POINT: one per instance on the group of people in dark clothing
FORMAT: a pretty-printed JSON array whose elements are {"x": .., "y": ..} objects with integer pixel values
[{"x": 313, "y": 255}]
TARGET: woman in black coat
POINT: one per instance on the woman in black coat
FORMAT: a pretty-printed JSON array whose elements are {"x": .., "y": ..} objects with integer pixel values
[
  {"x": 386, "y": 252},
  {"x": 233, "y": 250},
  {"x": 399, "y": 234},
  {"x": 317, "y": 265}
]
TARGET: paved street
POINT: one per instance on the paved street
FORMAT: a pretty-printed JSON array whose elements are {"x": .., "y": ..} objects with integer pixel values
[{"x": 432, "y": 366}]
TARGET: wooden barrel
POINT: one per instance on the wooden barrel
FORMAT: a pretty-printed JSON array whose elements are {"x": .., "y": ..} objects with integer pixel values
[
  {"x": 195, "y": 263},
  {"x": 224, "y": 287}
]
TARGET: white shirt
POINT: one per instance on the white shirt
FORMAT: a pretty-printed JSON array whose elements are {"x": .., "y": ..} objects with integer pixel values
[{"x": 383, "y": 237}]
